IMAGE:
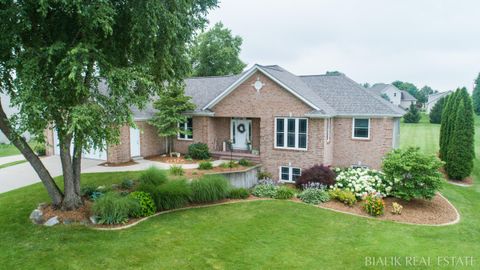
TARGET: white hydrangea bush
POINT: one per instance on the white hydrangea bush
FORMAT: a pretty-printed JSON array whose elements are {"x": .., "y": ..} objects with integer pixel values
[{"x": 362, "y": 181}]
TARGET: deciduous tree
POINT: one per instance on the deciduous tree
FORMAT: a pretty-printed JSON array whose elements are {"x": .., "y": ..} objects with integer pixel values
[
  {"x": 216, "y": 52},
  {"x": 58, "y": 57}
]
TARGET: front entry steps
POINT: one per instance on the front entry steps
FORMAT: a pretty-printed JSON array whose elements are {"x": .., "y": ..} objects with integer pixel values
[{"x": 236, "y": 155}]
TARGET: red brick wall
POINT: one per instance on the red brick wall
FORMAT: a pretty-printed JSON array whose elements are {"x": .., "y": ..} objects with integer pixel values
[
  {"x": 348, "y": 151},
  {"x": 264, "y": 106}
]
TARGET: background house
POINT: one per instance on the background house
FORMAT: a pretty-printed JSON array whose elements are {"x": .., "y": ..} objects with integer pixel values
[
  {"x": 396, "y": 96},
  {"x": 434, "y": 98},
  {"x": 5, "y": 99}
]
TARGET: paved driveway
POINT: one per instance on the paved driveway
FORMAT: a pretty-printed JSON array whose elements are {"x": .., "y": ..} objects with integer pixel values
[{"x": 21, "y": 175}]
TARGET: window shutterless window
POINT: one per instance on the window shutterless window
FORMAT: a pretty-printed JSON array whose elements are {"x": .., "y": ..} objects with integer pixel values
[
  {"x": 289, "y": 174},
  {"x": 361, "y": 128},
  {"x": 291, "y": 133},
  {"x": 187, "y": 128}
]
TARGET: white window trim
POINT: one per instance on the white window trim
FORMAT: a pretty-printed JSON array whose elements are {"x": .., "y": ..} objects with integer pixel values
[
  {"x": 353, "y": 129},
  {"x": 290, "y": 174},
  {"x": 285, "y": 137},
  {"x": 328, "y": 129},
  {"x": 185, "y": 128}
]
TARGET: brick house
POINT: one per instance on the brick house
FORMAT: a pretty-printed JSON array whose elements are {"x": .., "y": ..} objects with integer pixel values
[{"x": 286, "y": 122}]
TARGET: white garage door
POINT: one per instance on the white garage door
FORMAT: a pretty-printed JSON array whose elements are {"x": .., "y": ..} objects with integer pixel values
[{"x": 87, "y": 153}]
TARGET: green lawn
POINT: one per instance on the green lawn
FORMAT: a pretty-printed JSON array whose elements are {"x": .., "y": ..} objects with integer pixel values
[
  {"x": 251, "y": 235},
  {"x": 8, "y": 150},
  {"x": 12, "y": 164}
]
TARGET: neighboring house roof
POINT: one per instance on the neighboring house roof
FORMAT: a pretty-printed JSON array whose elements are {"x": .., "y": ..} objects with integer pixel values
[
  {"x": 380, "y": 88},
  {"x": 437, "y": 96},
  {"x": 407, "y": 97},
  {"x": 327, "y": 95}
]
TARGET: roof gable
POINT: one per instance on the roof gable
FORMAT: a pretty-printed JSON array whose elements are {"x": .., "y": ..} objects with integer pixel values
[{"x": 286, "y": 80}]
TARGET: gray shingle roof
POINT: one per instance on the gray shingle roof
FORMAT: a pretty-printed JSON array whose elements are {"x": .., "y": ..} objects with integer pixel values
[
  {"x": 348, "y": 98},
  {"x": 333, "y": 95}
]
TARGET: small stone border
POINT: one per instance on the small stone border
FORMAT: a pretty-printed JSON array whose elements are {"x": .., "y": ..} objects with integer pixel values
[{"x": 457, "y": 219}]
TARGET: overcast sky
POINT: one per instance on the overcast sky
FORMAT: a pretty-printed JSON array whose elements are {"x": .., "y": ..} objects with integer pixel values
[{"x": 424, "y": 42}]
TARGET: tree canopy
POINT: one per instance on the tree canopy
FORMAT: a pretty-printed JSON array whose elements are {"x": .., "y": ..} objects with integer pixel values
[
  {"x": 216, "y": 52},
  {"x": 78, "y": 67}
]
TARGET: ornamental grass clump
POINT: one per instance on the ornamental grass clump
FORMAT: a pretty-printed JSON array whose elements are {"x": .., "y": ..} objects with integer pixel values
[
  {"x": 284, "y": 193},
  {"x": 210, "y": 188},
  {"x": 238, "y": 193},
  {"x": 314, "y": 196},
  {"x": 172, "y": 194},
  {"x": 373, "y": 204},
  {"x": 362, "y": 181},
  {"x": 153, "y": 176},
  {"x": 112, "y": 208}
]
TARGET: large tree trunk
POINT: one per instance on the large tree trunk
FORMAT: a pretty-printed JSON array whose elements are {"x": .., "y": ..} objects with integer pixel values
[
  {"x": 72, "y": 199},
  {"x": 77, "y": 167},
  {"x": 52, "y": 189}
]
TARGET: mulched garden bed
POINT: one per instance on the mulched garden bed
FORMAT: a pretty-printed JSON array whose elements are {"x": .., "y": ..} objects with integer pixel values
[
  {"x": 123, "y": 164},
  {"x": 435, "y": 212},
  {"x": 80, "y": 215}
]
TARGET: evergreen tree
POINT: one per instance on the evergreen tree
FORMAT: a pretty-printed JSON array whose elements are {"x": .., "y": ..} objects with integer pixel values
[
  {"x": 170, "y": 106},
  {"x": 436, "y": 112},
  {"x": 459, "y": 161},
  {"x": 413, "y": 115},
  {"x": 476, "y": 96},
  {"x": 448, "y": 117}
]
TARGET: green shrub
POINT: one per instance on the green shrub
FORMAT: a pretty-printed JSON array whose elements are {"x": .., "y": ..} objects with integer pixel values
[
  {"x": 87, "y": 190},
  {"x": 228, "y": 165},
  {"x": 412, "y": 115},
  {"x": 177, "y": 170},
  {"x": 127, "y": 184},
  {"x": 264, "y": 175},
  {"x": 41, "y": 150},
  {"x": 284, "y": 193},
  {"x": 146, "y": 203},
  {"x": 153, "y": 176},
  {"x": 172, "y": 195},
  {"x": 238, "y": 193},
  {"x": 210, "y": 188},
  {"x": 265, "y": 190},
  {"x": 374, "y": 205},
  {"x": 436, "y": 112},
  {"x": 314, "y": 196},
  {"x": 345, "y": 196},
  {"x": 112, "y": 208},
  {"x": 205, "y": 165},
  {"x": 245, "y": 163},
  {"x": 413, "y": 174},
  {"x": 198, "y": 151}
]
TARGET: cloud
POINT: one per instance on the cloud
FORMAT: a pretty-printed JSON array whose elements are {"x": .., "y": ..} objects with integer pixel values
[{"x": 425, "y": 42}]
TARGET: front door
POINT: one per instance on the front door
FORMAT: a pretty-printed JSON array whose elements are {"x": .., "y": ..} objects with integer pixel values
[
  {"x": 134, "y": 142},
  {"x": 241, "y": 134}
]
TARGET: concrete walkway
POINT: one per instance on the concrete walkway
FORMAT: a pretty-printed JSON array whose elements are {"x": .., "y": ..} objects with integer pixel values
[
  {"x": 10, "y": 159},
  {"x": 21, "y": 175}
]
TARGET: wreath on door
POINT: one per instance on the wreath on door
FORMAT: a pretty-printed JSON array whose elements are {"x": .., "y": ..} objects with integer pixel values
[{"x": 241, "y": 128}]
